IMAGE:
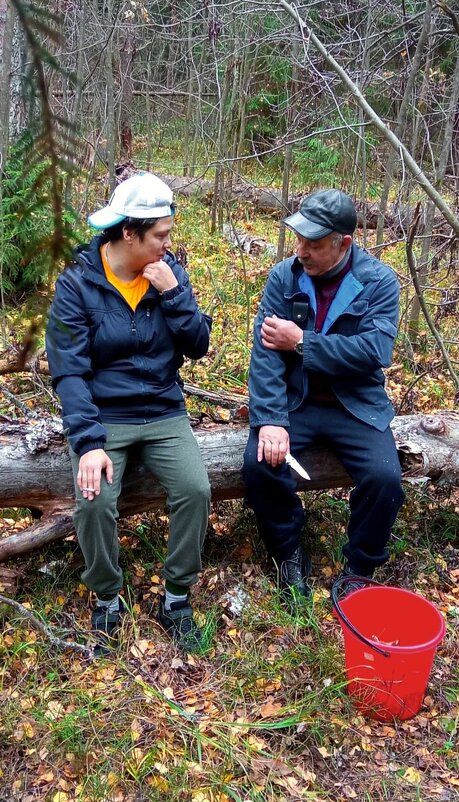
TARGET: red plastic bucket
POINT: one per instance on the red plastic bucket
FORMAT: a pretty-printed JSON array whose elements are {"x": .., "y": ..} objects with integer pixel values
[{"x": 390, "y": 639}]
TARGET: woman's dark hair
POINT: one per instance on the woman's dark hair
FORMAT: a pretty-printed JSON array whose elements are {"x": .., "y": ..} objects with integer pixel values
[{"x": 139, "y": 227}]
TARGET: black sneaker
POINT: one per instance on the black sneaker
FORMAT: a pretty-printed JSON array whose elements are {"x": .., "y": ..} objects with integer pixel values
[
  {"x": 355, "y": 581},
  {"x": 180, "y": 625},
  {"x": 293, "y": 577},
  {"x": 105, "y": 627}
]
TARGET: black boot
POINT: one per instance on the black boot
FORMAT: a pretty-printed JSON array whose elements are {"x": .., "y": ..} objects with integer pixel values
[
  {"x": 105, "y": 626},
  {"x": 293, "y": 577},
  {"x": 356, "y": 581}
]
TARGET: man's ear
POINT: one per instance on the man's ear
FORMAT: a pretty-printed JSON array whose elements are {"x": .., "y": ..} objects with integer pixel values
[{"x": 347, "y": 241}]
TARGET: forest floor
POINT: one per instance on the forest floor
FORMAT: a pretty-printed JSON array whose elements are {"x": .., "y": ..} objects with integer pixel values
[{"x": 264, "y": 714}]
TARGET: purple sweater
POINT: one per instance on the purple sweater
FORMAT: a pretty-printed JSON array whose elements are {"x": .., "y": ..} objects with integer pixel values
[{"x": 320, "y": 391}]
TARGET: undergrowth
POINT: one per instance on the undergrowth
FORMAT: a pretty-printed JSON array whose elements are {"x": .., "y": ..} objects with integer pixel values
[{"x": 263, "y": 715}]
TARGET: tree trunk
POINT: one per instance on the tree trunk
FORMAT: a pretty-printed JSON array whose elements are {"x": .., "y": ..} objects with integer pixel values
[
  {"x": 35, "y": 470},
  {"x": 403, "y": 114},
  {"x": 6, "y": 44},
  {"x": 288, "y": 156},
  {"x": 443, "y": 158},
  {"x": 81, "y": 22},
  {"x": 269, "y": 199},
  {"x": 127, "y": 56},
  {"x": 110, "y": 98},
  {"x": 6, "y": 41},
  {"x": 18, "y": 111}
]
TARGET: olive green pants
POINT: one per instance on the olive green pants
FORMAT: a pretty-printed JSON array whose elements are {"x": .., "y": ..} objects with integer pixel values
[{"x": 169, "y": 450}]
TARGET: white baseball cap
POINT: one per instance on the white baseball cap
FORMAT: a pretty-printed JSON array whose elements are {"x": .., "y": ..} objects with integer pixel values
[{"x": 142, "y": 196}]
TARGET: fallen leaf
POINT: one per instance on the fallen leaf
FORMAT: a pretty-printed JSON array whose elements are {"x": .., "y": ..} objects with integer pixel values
[
  {"x": 141, "y": 646},
  {"x": 161, "y": 768},
  {"x": 136, "y": 729},
  {"x": 269, "y": 708},
  {"x": 61, "y": 796},
  {"x": 412, "y": 775},
  {"x": 54, "y": 710},
  {"x": 158, "y": 782}
]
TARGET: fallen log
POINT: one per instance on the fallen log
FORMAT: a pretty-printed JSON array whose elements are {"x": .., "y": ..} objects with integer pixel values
[
  {"x": 35, "y": 470},
  {"x": 11, "y": 363},
  {"x": 269, "y": 199}
]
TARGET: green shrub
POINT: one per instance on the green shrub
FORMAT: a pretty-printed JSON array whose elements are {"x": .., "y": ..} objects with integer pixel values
[
  {"x": 317, "y": 164},
  {"x": 27, "y": 222}
]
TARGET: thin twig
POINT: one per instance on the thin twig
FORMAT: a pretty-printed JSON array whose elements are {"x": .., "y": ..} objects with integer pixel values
[
  {"x": 28, "y": 413},
  {"x": 244, "y": 275},
  {"x": 450, "y": 14},
  {"x": 414, "y": 275},
  {"x": 414, "y": 382},
  {"x": 44, "y": 629}
]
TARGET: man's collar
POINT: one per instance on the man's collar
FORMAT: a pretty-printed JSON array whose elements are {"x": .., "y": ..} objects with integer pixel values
[{"x": 330, "y": 274}]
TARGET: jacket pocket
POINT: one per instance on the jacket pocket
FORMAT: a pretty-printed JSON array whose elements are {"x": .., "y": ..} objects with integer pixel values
[
  {"x": 386, "y": 326},
  {"x": 357, "y": 309}
]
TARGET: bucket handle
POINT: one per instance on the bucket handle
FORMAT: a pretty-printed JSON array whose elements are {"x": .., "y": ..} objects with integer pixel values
[{"x": 343, "y": 580}]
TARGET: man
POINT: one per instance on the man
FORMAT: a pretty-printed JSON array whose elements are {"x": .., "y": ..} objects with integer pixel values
[
  {"x": 123, "y": 319},
  {"x": 324, "y": 331}
]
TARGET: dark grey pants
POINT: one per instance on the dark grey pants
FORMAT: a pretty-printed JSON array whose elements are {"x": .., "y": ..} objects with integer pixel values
[
  {"x": 369, "y": 456},
  {"x": 169, "y": 450}
]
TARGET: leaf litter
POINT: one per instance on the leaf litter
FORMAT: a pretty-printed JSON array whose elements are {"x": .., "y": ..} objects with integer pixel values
[{"x": 263, "y": 714}]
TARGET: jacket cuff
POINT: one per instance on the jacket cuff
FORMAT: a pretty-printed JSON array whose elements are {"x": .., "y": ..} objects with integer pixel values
[
  {"x": 167, "y": 295},
  {"x": 90, "y": 447},
  {"x": 258, "y": 423}
]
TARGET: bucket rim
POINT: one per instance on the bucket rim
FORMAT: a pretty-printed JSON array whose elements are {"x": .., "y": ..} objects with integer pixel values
[{"x": 387, "y": 650}]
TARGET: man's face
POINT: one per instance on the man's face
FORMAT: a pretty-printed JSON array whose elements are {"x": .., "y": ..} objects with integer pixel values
[
  {"x": 321, "y": 255},
  {"x": 154, "y": 244}
]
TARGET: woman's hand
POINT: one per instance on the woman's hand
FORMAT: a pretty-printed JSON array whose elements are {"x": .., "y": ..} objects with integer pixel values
[
  {"x": 273, "y": 444},
  {"x": 90, "y": 470},
  {"x": 160, "y": 276}
]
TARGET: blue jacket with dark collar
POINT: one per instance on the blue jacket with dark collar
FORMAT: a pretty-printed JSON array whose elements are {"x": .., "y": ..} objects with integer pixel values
[
  {"x": 354, "y": 345},
  {"x": 111, "y": 364}
]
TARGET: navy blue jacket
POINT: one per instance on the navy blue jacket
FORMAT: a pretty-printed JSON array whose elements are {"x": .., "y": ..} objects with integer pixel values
[
  {"x": 354, "y": 345},
  {"x": 111, "y": 364}
]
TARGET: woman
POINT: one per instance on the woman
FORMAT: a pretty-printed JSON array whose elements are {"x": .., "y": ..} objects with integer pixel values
[{"x": 123, "y": 318}]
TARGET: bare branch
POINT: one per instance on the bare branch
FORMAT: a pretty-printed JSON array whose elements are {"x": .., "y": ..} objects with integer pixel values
[
  {"x": 44, "y": 629},
  {"x": 406, "y": 156},
  {"x": 414, "y": 275},
  {"x": 450, "y": 13}
]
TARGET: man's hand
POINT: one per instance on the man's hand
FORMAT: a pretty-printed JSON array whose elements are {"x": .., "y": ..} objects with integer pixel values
[
  {"x": 280, "y": 334},
  {"x": 160, "y": 275},
  {"x": 273, "y": 444},
  {"x": 90, "y": 470}
]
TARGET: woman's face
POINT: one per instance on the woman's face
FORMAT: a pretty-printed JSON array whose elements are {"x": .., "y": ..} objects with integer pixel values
[{"x": 156, "y": 241}]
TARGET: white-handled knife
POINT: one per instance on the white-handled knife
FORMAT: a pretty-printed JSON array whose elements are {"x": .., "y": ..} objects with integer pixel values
[{"x": 297, "y": 467}]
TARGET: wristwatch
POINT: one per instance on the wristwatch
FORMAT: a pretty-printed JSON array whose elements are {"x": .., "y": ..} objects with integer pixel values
[{"x": 299, "y": 347}]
